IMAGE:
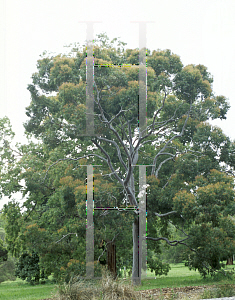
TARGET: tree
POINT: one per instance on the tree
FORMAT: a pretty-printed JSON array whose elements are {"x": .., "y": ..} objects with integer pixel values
[
  {"x": 3, "y": 252},
  {"x": 28, "y": 268},
  {"x": 179, "y": 100},
  {"x": 205, "y": 205},
  {"x": 7, "y": 265},
  {"x": 7, "y": 270},
  {"x": 13, "y": 224}
]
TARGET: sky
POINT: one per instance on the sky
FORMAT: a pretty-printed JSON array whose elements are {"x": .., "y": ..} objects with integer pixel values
[{"x": 199, "y": 31}]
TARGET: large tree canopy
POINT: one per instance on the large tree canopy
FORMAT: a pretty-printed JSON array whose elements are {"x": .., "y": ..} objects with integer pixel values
[{"x": 178, "y": 145}]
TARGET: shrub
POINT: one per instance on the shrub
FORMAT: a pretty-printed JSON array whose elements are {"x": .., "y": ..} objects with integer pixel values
[{"x": 27, "y": 268}]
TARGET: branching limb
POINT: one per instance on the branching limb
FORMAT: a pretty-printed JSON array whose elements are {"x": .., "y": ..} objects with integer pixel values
[
  {"x": 168, "y": 142},
  {"x": 118, "y": 150},
  {"x": 112, "y": 173},
  {"x": 13, "y": 150},
  {"x": 131, "y": 196},
  {"x": 167, "y": 153},
  {"x": 108, "y": 160},
  {"x": 128, "y": 154},
  {"x": 64, "y": 236},
  {"x": 73, "y": 159},
  {"x": 167, "y": 214},
  {"x": 166, "y": 184},
  {"x": 181, "y": 242},
  {"x": 160, "y": 165},
  {"x": 151, "y": 141},
  {"x": 117, "y": 115},
  {"x": 171, "y": 243},
  {"x": 182, "y": 230},
  {"x": 157, "y": 112},
  {"x": 109, "y": 124},
  {"x": 161, "y": 127}
]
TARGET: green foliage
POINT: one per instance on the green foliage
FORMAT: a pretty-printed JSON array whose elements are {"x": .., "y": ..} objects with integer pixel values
[
  {"x": 1, "y": 221},
  {"x": 165, "y": 64},
  {"x": 28, "y": 268},
  {"x": 3, "y": 252},
  {"x": 2, "y": 233},
  {"x": 7, "y": 264},
  {"x": 173, "y": 254},
  {"x": 7, "y": 159},
  {"x": 192, "y": 82},
  {"x": 7, "y": 270},
  {"x": 212, "y": 232},
  {"x": 13, "y": 223},
  {"x": 212, "y": 245},
  {"x": 156, "y": 265}
]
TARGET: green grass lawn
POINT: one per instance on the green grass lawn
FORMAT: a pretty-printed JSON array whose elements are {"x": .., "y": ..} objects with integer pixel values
[
  {"x": 18, "y": 290},
  {"x": 178, "y": 276}
]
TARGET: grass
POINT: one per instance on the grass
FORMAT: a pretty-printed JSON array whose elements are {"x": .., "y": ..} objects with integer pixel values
[
  {"x": 178, "y": 276},
  {"x": 19, "y": 290}
]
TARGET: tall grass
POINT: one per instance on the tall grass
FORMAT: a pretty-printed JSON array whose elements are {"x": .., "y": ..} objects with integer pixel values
[
  {"x": 225, "y": 290},
  {"x": 106, "y": 289}
]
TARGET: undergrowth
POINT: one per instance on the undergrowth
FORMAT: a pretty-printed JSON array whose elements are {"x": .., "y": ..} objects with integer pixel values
[
  {"x": 225, "y": 290},
  {"x": 106, "y": 289}
]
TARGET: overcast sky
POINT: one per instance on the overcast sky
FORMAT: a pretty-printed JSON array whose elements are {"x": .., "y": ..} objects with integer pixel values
[{"x": 199, "y": 31}]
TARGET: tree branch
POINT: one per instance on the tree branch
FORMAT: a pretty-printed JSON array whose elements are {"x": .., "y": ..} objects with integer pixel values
[
  {"x": 168, "y": 142},
  {"x": 166, "y": 214},
  {"x": 64, "y": 236},
  {"x": 118, "y": 150},
  {"x": 179, "y": 228},
  {"x": 74, "y": 159},
  {"x": 160, "y": 165},
  {"x": 108, "y": 160},
  {"x": 109, "y": 124},
  {"x": 171, "y": 243}
]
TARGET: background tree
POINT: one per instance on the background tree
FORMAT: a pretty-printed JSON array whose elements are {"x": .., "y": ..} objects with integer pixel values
[
  {"x": 7, "y": 264},
  {"x": 206, "y": 204},
  {"x": 27, "y": 268},
  {"x": 3, "y": 252}
]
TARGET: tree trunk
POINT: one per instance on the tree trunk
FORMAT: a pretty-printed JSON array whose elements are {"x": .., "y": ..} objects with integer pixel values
[
  {"x": 229, "y": 261},
  {"x": 136, "y": 276},
  {"x": 111, "y": 258}
]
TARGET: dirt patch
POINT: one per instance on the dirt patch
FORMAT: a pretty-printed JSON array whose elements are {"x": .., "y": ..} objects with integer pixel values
[
  {"x": 169, "y": 293},
  {"x": 188, "y": 292}
]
